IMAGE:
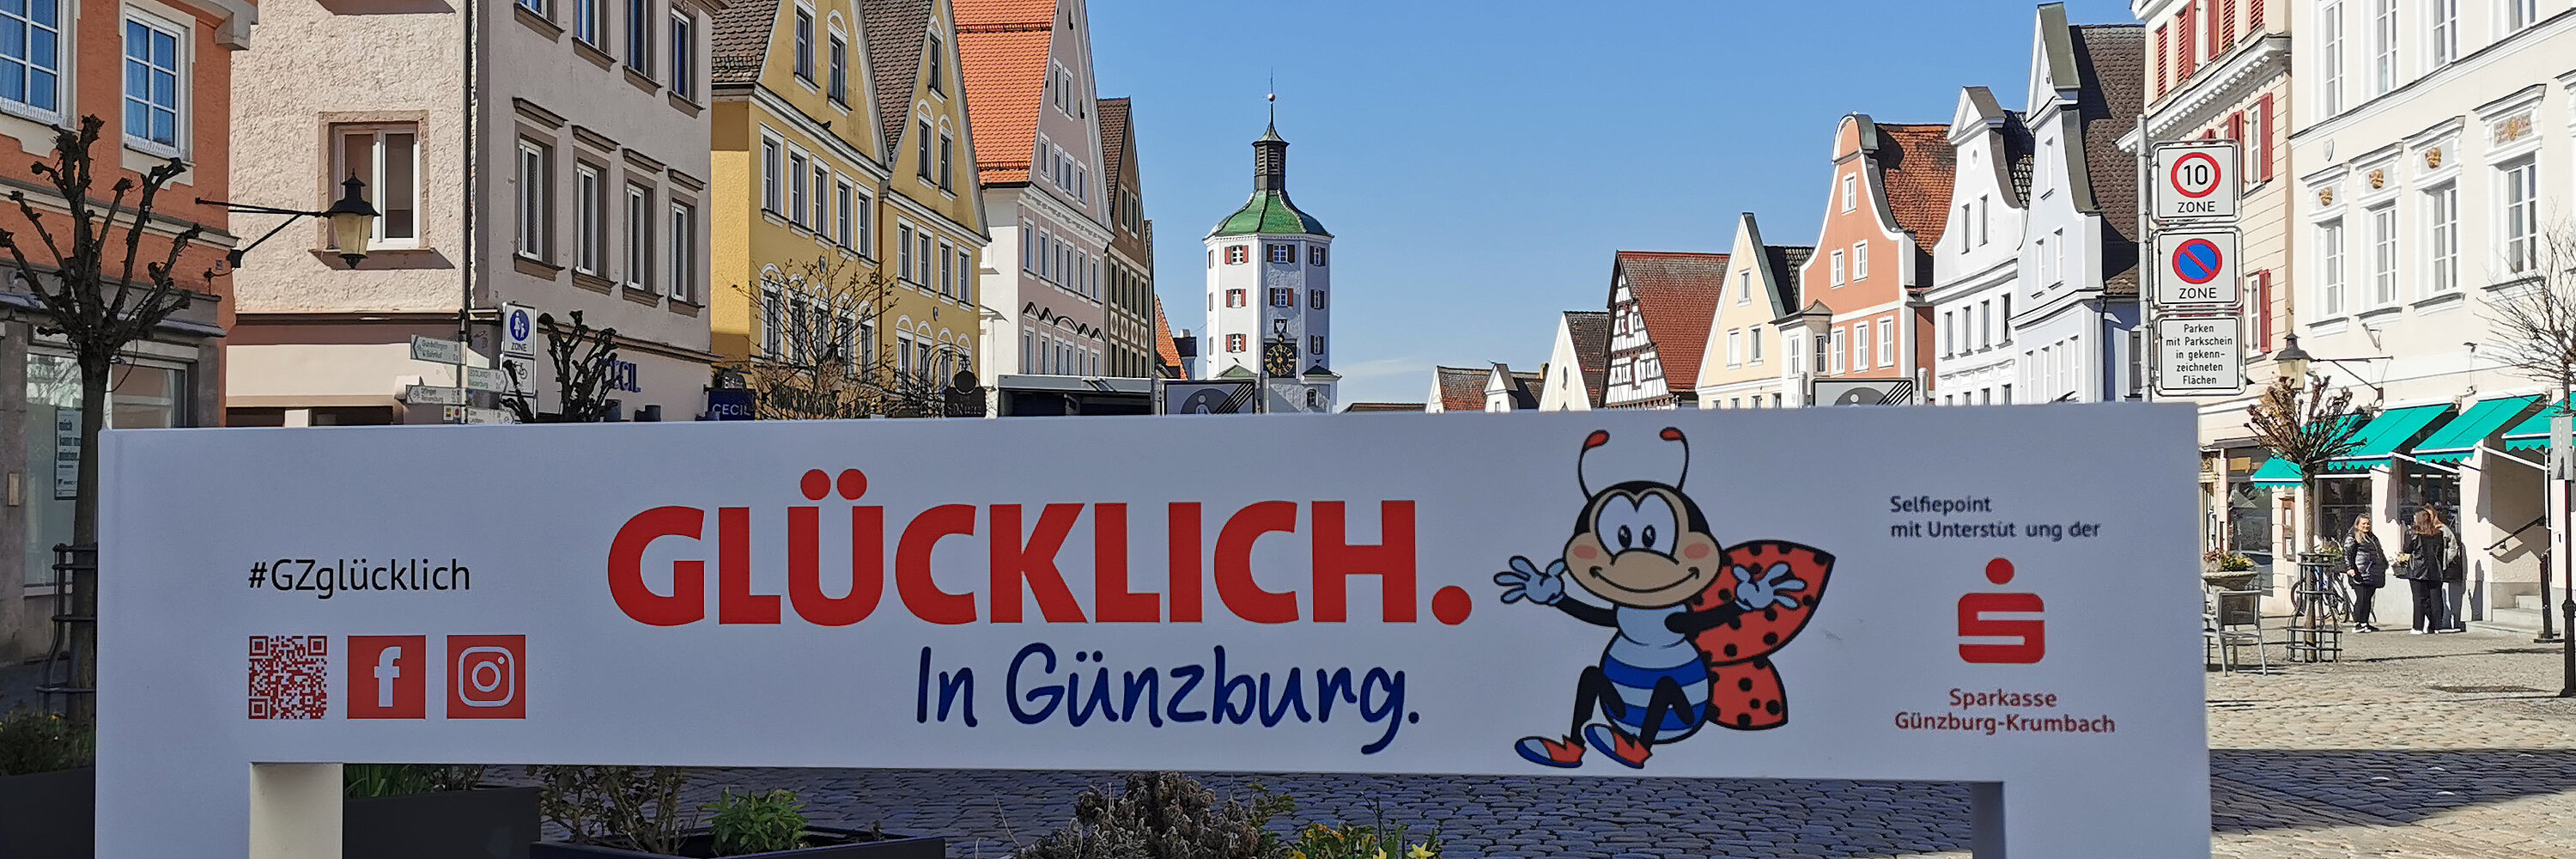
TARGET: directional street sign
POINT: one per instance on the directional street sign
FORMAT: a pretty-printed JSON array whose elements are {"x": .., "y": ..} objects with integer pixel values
[
  {"x": 2198, "y": 357},
  {"x": 437, "y": 351},
  {"x": 2196, "y": 180},
  {"x": 518, "y": 330},
  {"x": 2195, "y": 270},
  {"x": 489, "y": 416},
  {"x": 487, "y": 379},
  {"x": 431, "y": 395}
]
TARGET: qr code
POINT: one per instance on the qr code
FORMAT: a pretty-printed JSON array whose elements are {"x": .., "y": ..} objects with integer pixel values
[{"x": 290, "y": 676}]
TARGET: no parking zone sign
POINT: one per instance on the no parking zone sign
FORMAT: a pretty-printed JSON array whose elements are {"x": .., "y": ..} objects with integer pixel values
[
  {"x": 1789, "y": 593},
  {"x": 2196, "y": 270},
  {"x": 2196, "y": 180}
]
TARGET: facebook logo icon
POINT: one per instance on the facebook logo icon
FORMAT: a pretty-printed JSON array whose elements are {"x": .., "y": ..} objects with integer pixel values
[{"x": 388, "y": 676}]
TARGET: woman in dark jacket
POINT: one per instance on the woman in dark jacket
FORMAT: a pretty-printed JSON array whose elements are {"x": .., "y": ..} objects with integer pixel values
[
  {"x": 2367, "y": 562},
  {"x": 2430, "y": 555}
]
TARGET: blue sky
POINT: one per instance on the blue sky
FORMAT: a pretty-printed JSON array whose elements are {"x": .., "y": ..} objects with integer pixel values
[{"x": 1478, "y": 162}]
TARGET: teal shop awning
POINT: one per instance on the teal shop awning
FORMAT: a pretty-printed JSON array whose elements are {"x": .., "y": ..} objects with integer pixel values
[
  {"x": 2462, "y": 437},
  {"x": 2384, "y": 435},
  {"x": 2533, "y": 434},
  {"x": 2277, "y": 473}
]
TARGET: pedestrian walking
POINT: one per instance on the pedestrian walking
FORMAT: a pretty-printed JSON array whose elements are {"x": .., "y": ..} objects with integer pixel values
[
  {"x": 2431, "y": 559},
  {"x": 2366, "y": 561}
]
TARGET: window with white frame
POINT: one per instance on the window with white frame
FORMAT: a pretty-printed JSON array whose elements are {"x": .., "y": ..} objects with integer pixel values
[
  {"x": 1949, "y": 333},
  {"x": 1984, "y": 211},
  {"x": 947, "y": 161},
  {"x": 773, "y": 321},
  {"x": 1985, "y": 324},
  {"x": 387, "y": 158},
  {"x": 844, "y": 215},
  {"x": 2521, "y": 194},
  {"x": 537, "y": 6},
  {"x": 1734, "y": 348},
  {"x": 590, "y": 21},
  {"x": 2003, "y": 314},
  {"x": 1860, "y": 346},
  {"x": 1836, "y": 274},
  {"x": 1283, "y": 254},
  {"x": 31, "y": 64},
  {"x": 155, "y": 82},
  {"x": 822, "y": 204},
  {"x": 1754, "y": 341},
  {"x": 947, "y": 270},
  {"x": 2444, "y": 18},
  {"x": 1860, "y": 260},
  {"x": 639, "y": 238},
  {"x": 805, "y": 44},
  {"x": 2383, "y": 46},
  {"x": 2057, "y": 263},
  {"x": 1743, "y": 287},
  {"x": 2520, "y": 13},
  {"x": 2330, "y": 268},
  {"x": 770, "y": 181},
  {"x": 1835, "y": 349},
  {"x": 1887, "y": 342},
  {"x": 684, "y": 54},
  {"x": 639, "y": 37},
  {"x": 902, "y": 251},
  {"x": 2330, "y": 58},
  {"x": 536, "y": 199},
  {"x": 1315, "y": 299},
  {"x": 2043, "y": 260},
  {"x": 965, "y": 276},
  {"x": 2442, "y": 239},
  {"x": 837, "y": 84},
  {"x": 937, "y": 57},
  {"x": 683, "y": 238},
  {"x": 2383, "y": 256},
  {"x": 796, "y": 197},
  {"x": 921, "y": 257},
  {"x": 590, "y": 220},
  {"x": 1851, "y": 192}
]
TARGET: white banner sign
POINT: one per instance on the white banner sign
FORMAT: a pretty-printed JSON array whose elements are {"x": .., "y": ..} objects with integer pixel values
[
  {"x": 437, "y": 351},
  {"x": 1779, "y": 594},
  {"x": 2199, "y": 356}
]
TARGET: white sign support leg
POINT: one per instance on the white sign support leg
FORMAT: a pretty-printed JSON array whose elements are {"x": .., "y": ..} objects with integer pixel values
[{"x": 295, "y": 811}]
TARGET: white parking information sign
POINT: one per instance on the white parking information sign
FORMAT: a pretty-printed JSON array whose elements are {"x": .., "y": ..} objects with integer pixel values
[
  {"x": 2199, "y": 356},
  {"x": 2196, "y": 181}
]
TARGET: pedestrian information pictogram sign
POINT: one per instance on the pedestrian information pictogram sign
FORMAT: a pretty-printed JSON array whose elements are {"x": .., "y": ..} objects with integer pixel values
[
  {"x": 518, "y": 330},
  {"x": 2199, "y": 356},
  {"x": 2196, "y": 180},
  {"x": 2195, "y": 270}
]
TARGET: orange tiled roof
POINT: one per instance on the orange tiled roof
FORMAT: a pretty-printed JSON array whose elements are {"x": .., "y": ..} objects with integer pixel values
[
  {"x": 1462, "y": 389},
  {"x": 1002, "y": 46},
  {"x": 1164, "y": 348},
  {"x": 1677, "y": 293},
  {"x": 1918, "y": 166}
]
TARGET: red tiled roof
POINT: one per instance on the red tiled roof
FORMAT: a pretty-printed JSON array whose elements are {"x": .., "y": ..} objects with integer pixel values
[
  {"x": 1113, "y": 141},
  {"x": 1677, "y": 293},
  {"x": 895, "y": 31},
  {"x": 1002, "y": 47},
  {"x": 1918, "y": 165},
  {"x": 1590, "y": 331},
  {"x": 1462, "y": 389},
  {"x": 1164, "y": 348}
]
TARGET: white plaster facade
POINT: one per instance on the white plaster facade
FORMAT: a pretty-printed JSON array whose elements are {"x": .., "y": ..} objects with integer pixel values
[
  {"x": 2074, "y": 326},
  {"x": 617, "y": 110},
  {"x": 1270, "y": 285},
  {"x": 1738, "y": 367},
  {"x": 1976, "y": 266},
  {"x": 1563, "y": 388},
  {"x": 1043, "y": 277},
  {"x": 2423, "y": 201}
]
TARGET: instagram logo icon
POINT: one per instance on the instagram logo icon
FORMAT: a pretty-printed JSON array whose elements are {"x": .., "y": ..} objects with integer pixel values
[{"x": 486, "y": 674}]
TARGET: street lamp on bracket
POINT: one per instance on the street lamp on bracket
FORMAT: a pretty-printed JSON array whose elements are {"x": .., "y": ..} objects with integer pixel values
[
  {"x": 353, "y": 221},
  {"x": 2295, "y": 362}
]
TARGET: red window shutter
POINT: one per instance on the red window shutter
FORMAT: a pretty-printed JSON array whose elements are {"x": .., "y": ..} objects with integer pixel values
[
  {"x": 2186, "y": 58},
  {"x": 2227, "y": 28},
  {"x": 2263, "y": 311},
  {"x": 2163, "y": 38},
  {"x": 2236, "y": 126},
  {"x": 2211, "y": 134},
  {"x": 2263, "y": 148},
  {"x": 2254, "y": 16}
]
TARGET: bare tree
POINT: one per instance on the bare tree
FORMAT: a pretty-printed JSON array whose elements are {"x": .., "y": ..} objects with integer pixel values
[
  {"x": 817, "y": 354},
  {"x": 2308, "y": 423},
  {"x": 2534, "y": 322},
  {"x": 583, "y": 359},
  {"x": 92, "y": 295}
]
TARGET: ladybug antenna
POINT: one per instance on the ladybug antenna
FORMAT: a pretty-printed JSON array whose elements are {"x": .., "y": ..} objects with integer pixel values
[
  {"x": 1674, "y": 435},
  {"x": 1593, "y": 442}
]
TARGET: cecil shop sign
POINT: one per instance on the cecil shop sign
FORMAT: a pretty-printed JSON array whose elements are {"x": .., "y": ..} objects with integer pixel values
[{"x": 1791, "y": 593}]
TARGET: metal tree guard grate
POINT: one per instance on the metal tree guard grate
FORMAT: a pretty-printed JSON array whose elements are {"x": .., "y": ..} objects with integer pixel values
[{"x": 60, "y": 677}]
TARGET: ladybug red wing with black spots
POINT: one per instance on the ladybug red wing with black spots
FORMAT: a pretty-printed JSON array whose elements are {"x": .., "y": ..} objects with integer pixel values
[{"x": 1696, "y": 624}]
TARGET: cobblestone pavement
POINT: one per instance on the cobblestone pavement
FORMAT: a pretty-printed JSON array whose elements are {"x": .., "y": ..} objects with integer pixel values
[{"x": 2428, "y": 747}]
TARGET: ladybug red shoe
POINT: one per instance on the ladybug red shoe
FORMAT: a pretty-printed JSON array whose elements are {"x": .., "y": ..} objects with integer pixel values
[{"x": 1541, "y": 750}]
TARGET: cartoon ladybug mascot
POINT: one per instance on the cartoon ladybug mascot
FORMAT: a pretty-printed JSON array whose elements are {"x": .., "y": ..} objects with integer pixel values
[{"x": 1696, "y": 624}]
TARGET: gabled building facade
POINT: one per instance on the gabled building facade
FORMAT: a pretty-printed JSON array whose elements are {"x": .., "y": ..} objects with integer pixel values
[
  {"x": 1038, "y": 156},
  {"x": 1577, "y": 362},
  {"x": 1456, "y": 389},
  {"x": 1976, "y": 266},
  {"x": 1885, "y": 211},
  {"x": 1507, "y": 391},
  {"x": 930, "y": 231},
  {"x": 2076, "y": 331},
  {"x": 1740, "y": 367},
  {"x": 1132, "y": 308},
  {"x": 1660, "y": 305}
]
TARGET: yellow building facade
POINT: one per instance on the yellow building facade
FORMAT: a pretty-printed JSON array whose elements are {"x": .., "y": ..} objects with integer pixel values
[{"x": 831, "y": 250}]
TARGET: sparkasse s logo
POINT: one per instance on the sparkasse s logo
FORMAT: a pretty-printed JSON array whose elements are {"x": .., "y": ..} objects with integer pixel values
[{"x": 388, "y": 676}]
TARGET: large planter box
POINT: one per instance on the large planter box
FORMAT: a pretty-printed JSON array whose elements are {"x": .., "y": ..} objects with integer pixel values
[
  {"x": 697, "y": 845},
  {"x": 49, "y": 815},
  {"x": 484, "y": 823}
]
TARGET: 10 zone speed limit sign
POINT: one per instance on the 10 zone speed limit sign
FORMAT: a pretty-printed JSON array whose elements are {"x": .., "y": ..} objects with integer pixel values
[{"x": 2196, "y": 180}]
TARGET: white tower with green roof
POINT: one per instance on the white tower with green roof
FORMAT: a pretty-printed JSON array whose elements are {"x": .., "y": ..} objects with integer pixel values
[{"x": 1269, "y": 291}]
